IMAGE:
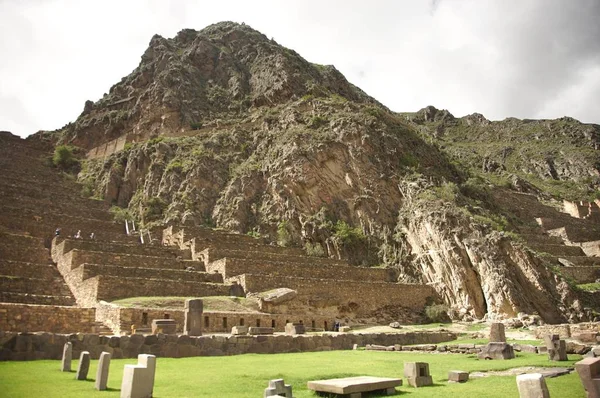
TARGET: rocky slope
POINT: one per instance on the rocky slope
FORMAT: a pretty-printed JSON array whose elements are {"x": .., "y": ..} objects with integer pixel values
[{"x": 228, "y": 129}]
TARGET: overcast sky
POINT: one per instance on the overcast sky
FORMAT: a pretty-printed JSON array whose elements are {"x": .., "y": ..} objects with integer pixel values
[{"x": 521, "y": 58}]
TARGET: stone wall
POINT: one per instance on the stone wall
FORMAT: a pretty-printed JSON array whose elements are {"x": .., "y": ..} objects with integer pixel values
[
  {"x": 79, "y": 257},
  {"x": 108, "y": 148},
  {"x": 566, "y": 330},
  {"x": 66, "y": 244},
  {"x": 25, "y": 346},
  {"x": 55, "y": 319},
  {"x": 581, "y": 274},
  {"x": 229, "y": 267},
  {"x": 216, "y": 252},
  {"x": 120, "y": 319},
  {"x": 361, "y": 299},
  {"x": 113, "y": 288},
  {"x": 91, "y": 270}
]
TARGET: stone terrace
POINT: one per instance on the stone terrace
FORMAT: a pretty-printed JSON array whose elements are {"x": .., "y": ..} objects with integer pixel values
[
  {"x": 572, "y": 243},
  {"x": 196, "y": 262},
  {"x": 325, "y": 287},
  {"x": 35, "y": 200},
  {"x": 96, "y": 270}
]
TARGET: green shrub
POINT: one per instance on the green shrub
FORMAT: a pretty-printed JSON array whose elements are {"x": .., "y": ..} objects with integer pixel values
[
  {"x": 196, "y": 125},
  {"x": 120, "y": 214},
  {"x": 64, "y": 157},
  {"x": 314, "y": 249},
  {"x": 346, "y": 233},
  {"x": 437, "y": 313},
  {"x": 154, "y": 209},
  {"x": 254, "y": 234},
  {"x": 284, "y": 238},
  {"x": 317, "y": 121},
  {"x": 174, "y": 165}
]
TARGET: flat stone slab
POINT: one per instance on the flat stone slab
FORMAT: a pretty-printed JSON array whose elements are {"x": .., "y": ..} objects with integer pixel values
[{"x": 353, "y": 385}]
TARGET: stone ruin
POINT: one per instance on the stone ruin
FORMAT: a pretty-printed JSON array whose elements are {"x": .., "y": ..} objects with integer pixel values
[
  {"x": 278, "y": 388},
  {"x": 138, "y": 380},
  {"x": 417, "y": 374},
  {"x": 557, "y": 348},
  {"x": 588, "y": 370},
  {"x": 164, "y": 326},
  {"x": 497, "y": 351},
  {"x": 532, "y": 385}
]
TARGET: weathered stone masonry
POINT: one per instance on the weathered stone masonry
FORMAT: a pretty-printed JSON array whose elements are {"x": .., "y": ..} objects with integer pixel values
[{"x": 29, "y": 346}]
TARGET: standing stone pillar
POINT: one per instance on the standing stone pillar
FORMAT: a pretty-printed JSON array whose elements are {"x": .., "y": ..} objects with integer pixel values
[
  {"x": 138, "y": 380},
  {"x": 497, "y": 334},
  {"x": 532, "y": 385},
  {"x": 67, "y": 357},
  {"x": 589, "y": 374},
  {"x": 557, "y": 348},
  {"x": 84, "y": 366},
  {"x": 102, "y": 372},
  {"x": 193, "y": 317}
]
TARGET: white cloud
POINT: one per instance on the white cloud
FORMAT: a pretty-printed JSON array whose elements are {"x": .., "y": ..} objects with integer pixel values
[{"x": 538, "y": 59}]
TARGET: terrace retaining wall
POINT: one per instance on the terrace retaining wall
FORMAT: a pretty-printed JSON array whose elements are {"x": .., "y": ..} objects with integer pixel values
[
  {"x": 29, "y": 346},
  {"x": 50, "y": 318}
]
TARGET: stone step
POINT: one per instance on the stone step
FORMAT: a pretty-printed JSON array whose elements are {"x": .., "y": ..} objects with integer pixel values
[
  {"x": 48, "y": 205},
  {"x": 28, "y": 270},
  {"x": 23, "y": 248},
  {"x": 189, "y": 233},
  {"x": 212, "y": 254},
  {"x": 68, "y": 244},
  {"x": 581, "y": 274},
  {"x": 229, "y": 267},
  {"x": 110, "y": 288},
  {"x": 91, "y": 270},
  {"x": 43, "y": 225},
  {"x": 579, "y": 233},
  {"x": 34, "y": 192},
  {"x": 581, "y": 261},
  {"x": 559, "y": 250},
  {"x": 16, "y": 180},
  {"x": 25, "y": 298},
  {"x": 45, "y": 287},
  {"x": 75, "y": 258},
  {"x": 198, "y": 245}
]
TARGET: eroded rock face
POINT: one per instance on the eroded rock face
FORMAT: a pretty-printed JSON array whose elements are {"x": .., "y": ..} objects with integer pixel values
[{"x": 482, "y": 273}]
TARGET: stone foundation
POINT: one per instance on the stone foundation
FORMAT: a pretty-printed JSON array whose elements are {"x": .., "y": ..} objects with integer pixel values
[
  {"x": 55, "y": 319},
  {"x": 27, "y": 346}
]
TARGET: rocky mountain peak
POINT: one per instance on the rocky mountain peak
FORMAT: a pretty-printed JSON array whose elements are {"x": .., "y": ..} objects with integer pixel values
[{"x": 224, "y": 71}]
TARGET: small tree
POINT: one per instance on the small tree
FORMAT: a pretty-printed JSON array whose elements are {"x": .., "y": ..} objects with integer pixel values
[{"x": 64, "y": 157}]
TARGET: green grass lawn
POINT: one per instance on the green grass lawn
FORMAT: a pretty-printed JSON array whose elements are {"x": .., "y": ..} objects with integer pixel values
[{"x": 248, "y": 375}]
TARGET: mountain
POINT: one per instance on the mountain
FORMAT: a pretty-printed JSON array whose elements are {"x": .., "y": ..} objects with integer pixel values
[{"x": 225, "y": 128}]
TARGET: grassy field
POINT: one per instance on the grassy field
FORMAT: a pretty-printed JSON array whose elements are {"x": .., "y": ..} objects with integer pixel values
[{"x": 247, "y": 375}]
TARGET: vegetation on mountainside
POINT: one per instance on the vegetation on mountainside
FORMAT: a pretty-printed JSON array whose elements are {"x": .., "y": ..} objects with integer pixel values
[
  {"x": 64, "y": 158},
  {"x": 557, "y": 157}
]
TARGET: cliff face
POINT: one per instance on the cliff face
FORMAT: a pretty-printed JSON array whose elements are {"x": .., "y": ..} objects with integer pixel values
[{"x": 228, "y": 129}]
